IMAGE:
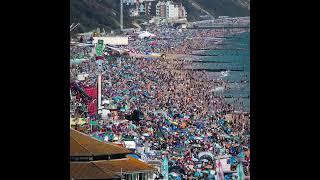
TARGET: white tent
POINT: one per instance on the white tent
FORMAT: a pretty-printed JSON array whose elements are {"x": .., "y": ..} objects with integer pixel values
[
  {"x": 105, "y": 113},
  {"x": 130, "y": 144},
  {"x": 146, "y": 34}
]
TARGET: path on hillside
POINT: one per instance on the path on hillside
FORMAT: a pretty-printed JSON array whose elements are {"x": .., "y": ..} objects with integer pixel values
[{"x": 197, "y": 6}]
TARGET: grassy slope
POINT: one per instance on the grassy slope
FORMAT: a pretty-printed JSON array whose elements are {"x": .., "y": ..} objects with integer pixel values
[
  {"x": 105, "y": 13},
  {"x": 96, "y": 13}
]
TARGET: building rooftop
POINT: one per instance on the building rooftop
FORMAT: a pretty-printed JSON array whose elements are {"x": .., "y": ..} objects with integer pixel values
[
  {"x": 124, "y": 165},
  {"x": 84, "y": 145},
  {"x": 88, "y": 170}
]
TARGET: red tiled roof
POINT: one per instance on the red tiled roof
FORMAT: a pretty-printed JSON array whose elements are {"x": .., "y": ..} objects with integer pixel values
[
  {"x": 84, "y": 145},
  {"x": 88, "y": 170},
  {"x": 128, "y": 165}
]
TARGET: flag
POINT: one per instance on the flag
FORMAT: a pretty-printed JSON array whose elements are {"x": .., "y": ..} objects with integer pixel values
[
  {"x": 241, "y": 156},
  {"x": 99, "y": 58},
  {"x": 233, "y": 160},
  {"x": 240, "y": 172},
  {"x": 220, "y": 175},
  {"x": 165, "y": 168},
  {"x": 99, "y": 48},
  {"x": 93, "y": 104}
]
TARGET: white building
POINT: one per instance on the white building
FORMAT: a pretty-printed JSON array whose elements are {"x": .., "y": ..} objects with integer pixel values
[
  {"x": 161, "y": 9},
  {"x": 182, "y": 12},
  {"x": 169, "y": 9},
  {"x": 176, "y": 11}
]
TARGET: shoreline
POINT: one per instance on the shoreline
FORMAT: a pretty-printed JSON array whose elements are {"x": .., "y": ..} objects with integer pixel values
[
  {"x": 192, "y": 65},
  {"x": 180, "y": 108}
]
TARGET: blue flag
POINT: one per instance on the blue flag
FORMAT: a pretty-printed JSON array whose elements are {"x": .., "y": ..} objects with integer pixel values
[
  {"x": 240, "y": 172},
  {"x": 241, "y": 155},
  {"x": 165, "y": 168},
  {"x": 233, "y": 160}
]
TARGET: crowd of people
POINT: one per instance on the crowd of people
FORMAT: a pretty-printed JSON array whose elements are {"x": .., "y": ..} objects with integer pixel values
[{"x": 182, "y": 115}]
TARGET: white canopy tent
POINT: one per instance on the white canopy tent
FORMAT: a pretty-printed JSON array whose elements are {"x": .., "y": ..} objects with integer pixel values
[{"x": 146, "y": 34}]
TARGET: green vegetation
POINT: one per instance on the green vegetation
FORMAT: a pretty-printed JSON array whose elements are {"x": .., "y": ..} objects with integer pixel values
[
  {"x": 97, "y": 13},
  {"x": 225, "y": 7},
  {"x": 217, "y": 8},
  {"x": 105, "y": 13}
]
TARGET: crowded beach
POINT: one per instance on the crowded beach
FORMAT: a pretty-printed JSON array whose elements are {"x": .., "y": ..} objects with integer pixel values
[{"x": 165, "y": 108}]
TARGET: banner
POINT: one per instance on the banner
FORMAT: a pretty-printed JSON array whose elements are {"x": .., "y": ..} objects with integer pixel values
[
  {"x": 220, "y": 175},
  {"x": 93, "y": 122},
  {"x": 99, "y": 48},
  {"x": 93, "y": 105},
  {"x": 240, "y": 172},
  {"x": 114, "y": 40},
  {"x": 225, "y": 166},
  {"x": 165, "y": 168}
]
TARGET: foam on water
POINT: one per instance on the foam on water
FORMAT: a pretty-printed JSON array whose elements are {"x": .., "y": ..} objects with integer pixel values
[
  {"x": 238, "y": 83},
  {"x": 224, "y": 74},
  {"x": 216, "y": 89}
]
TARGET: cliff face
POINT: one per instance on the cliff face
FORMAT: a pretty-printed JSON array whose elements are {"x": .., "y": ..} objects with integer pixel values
[
  {"x": 96, "y": 13},
  {"x": 105, "y": 13},
  {"x": 196, "y": 8}
]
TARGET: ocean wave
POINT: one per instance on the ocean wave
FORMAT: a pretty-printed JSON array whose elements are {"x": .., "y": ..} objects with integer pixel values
[
  {"x": 224, "y": 74},
  {"x": 219, "y": 88}
]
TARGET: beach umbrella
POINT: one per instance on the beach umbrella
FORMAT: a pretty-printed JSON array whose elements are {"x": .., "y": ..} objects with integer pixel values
[
  {"x": 206, "y": 171},
  {"x": 175, "y": 169},
  {"x": 113, "y": 107},
  {"x": 190, "y": 166},
  {"x": 137, "y": 115},
  {"x": 134, "y": 156},
  {"x": 153, "y": 43},
  {"x": 118, "y": 98},
  {"x": 196, "y": 145},
  {"x": 183, "y": 125},
  {"x": 197, "y": 174},
  {"x": 204, "y": 160},
  {"x": 145, "y": 134},
  {"x": 198, "y": 138},
  {"x": 174, "y": 123},
  {"x": 133, "y": 126},
  {"x": 211, "y": 176},
  {"x": 164, "y": 152},
  {"x": 106, "y": 138},
  {"x": 174, "y": 174}
]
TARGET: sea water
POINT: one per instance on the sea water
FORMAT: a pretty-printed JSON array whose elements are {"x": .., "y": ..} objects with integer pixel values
[{"x": 234, "y": 56}]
